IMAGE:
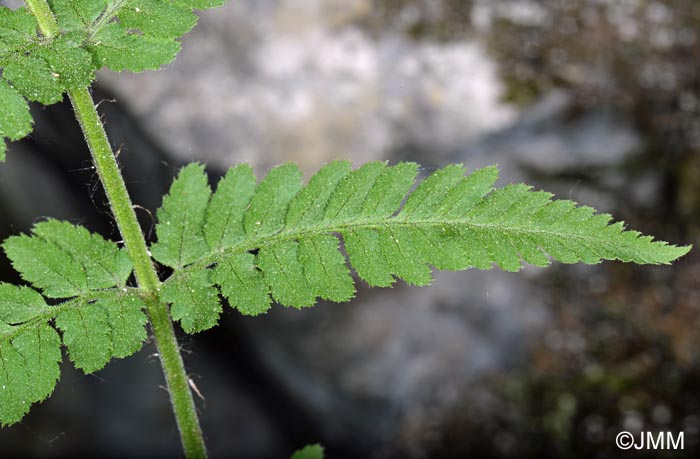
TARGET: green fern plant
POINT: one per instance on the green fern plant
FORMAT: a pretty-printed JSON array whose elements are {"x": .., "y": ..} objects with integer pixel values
[{"x": 252, "y": 243}]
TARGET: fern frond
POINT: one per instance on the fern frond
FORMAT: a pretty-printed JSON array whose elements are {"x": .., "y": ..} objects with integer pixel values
[
  {"x": 96, "y": 327},
  {"x": 66, "y": 260},
  {"x": 181, "y": 237},
  {"x": 96, "y": 331},
  {"x": 194, "y": 302},
  {"x": 100, "y": 318},
  {"x": 281, "y": 241},
  {"x": 133, "y": 35},
  {"x": 29, "y": 354}
]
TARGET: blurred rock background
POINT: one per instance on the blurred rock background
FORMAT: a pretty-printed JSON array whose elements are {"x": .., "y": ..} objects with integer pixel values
[{"x": 596, "y": 100}]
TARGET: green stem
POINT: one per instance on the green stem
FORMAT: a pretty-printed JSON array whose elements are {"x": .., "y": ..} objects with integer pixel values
[
  {"x": 111, "y": 177},
  {"x": 146, "y": 276},
  {"x": 178, "y": 383},
  {"x": 47, "y": 22},
  {"x": 161, "y": 325}
]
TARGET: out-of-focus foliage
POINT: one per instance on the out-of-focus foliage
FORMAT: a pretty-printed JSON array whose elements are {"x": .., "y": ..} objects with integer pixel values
[
  {"x": 443, "y": 19},
  {"x": 639, "y": 56},
  {"x": 621, "y": 52},
  {"x": 632, "y": 364}
]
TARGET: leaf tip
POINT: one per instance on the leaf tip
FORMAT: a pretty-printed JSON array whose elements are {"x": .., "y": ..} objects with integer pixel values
[{"x": 677, "y": 252}]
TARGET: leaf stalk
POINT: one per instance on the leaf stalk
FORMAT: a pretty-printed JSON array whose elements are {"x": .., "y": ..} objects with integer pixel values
[
  {"x": 44, "y": 16},
  {"x": 146, "y": 276}
]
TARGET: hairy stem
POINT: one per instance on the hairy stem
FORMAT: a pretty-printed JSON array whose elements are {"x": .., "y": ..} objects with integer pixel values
[
  {"x": 161, "y": 324},
  {"x": 110, "y": 175},
  {"x": 146, "y": 276},
  {"x": 47, "y": 22}
]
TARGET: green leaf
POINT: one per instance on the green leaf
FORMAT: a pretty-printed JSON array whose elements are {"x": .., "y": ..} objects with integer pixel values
[
  {"x": 181, "y": 219},
  {"x": 29, "y": 352},
  {"x": 119, "y": 50},
  {"x": 87, "y": 335},
  {"x": 138, "y": 35},
  {"x": 19, "y": 304},
  {"x": 468, "y": 192},
  {"x": 242, "y": 283},
  {"x": 367, "y": 256},
  {"x": 38, "y": 69},
  {"x": 15, "y": 120},
  {"x": 43, "y": 72},
  {"x": 17, "y": 29},
  {"x": 309, "y": 452},
  {"x": 157, "y": 18},
  {"x": 404, "y": 254},
  {"x": 33, "y": 78},
  {"x": 66, "y": 260},
  {"x": 127, "y": 323},
  {"x": 390, "y": 189},
  {"x": 40, "y": 346},
  {"x": 97, "y": 330},
  {"x": 325, "y": 268},
  {"x": 432, "y": 192},
  {"x": 224, "y": 220},
  {"x": 132, "y": 35},
  {"x": 308, "y": 205},
  {"x": 77, "y": 15},
  {"x": 46, "y": 266},
  {"x": 289, "y": 247},
  {"x": 28, "y": 368},
  {"x": 96, "y": 327},
  {"x": 195, "y": 302},
  {"x": 199, "y": 4},
  {"x": 268, "y": 207},
  {"x": 348, "y": 198},
  {"x": 104, "y": 264},
  {"x": 283, "y": 271},
  {"x": 69, "y": 64}
]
